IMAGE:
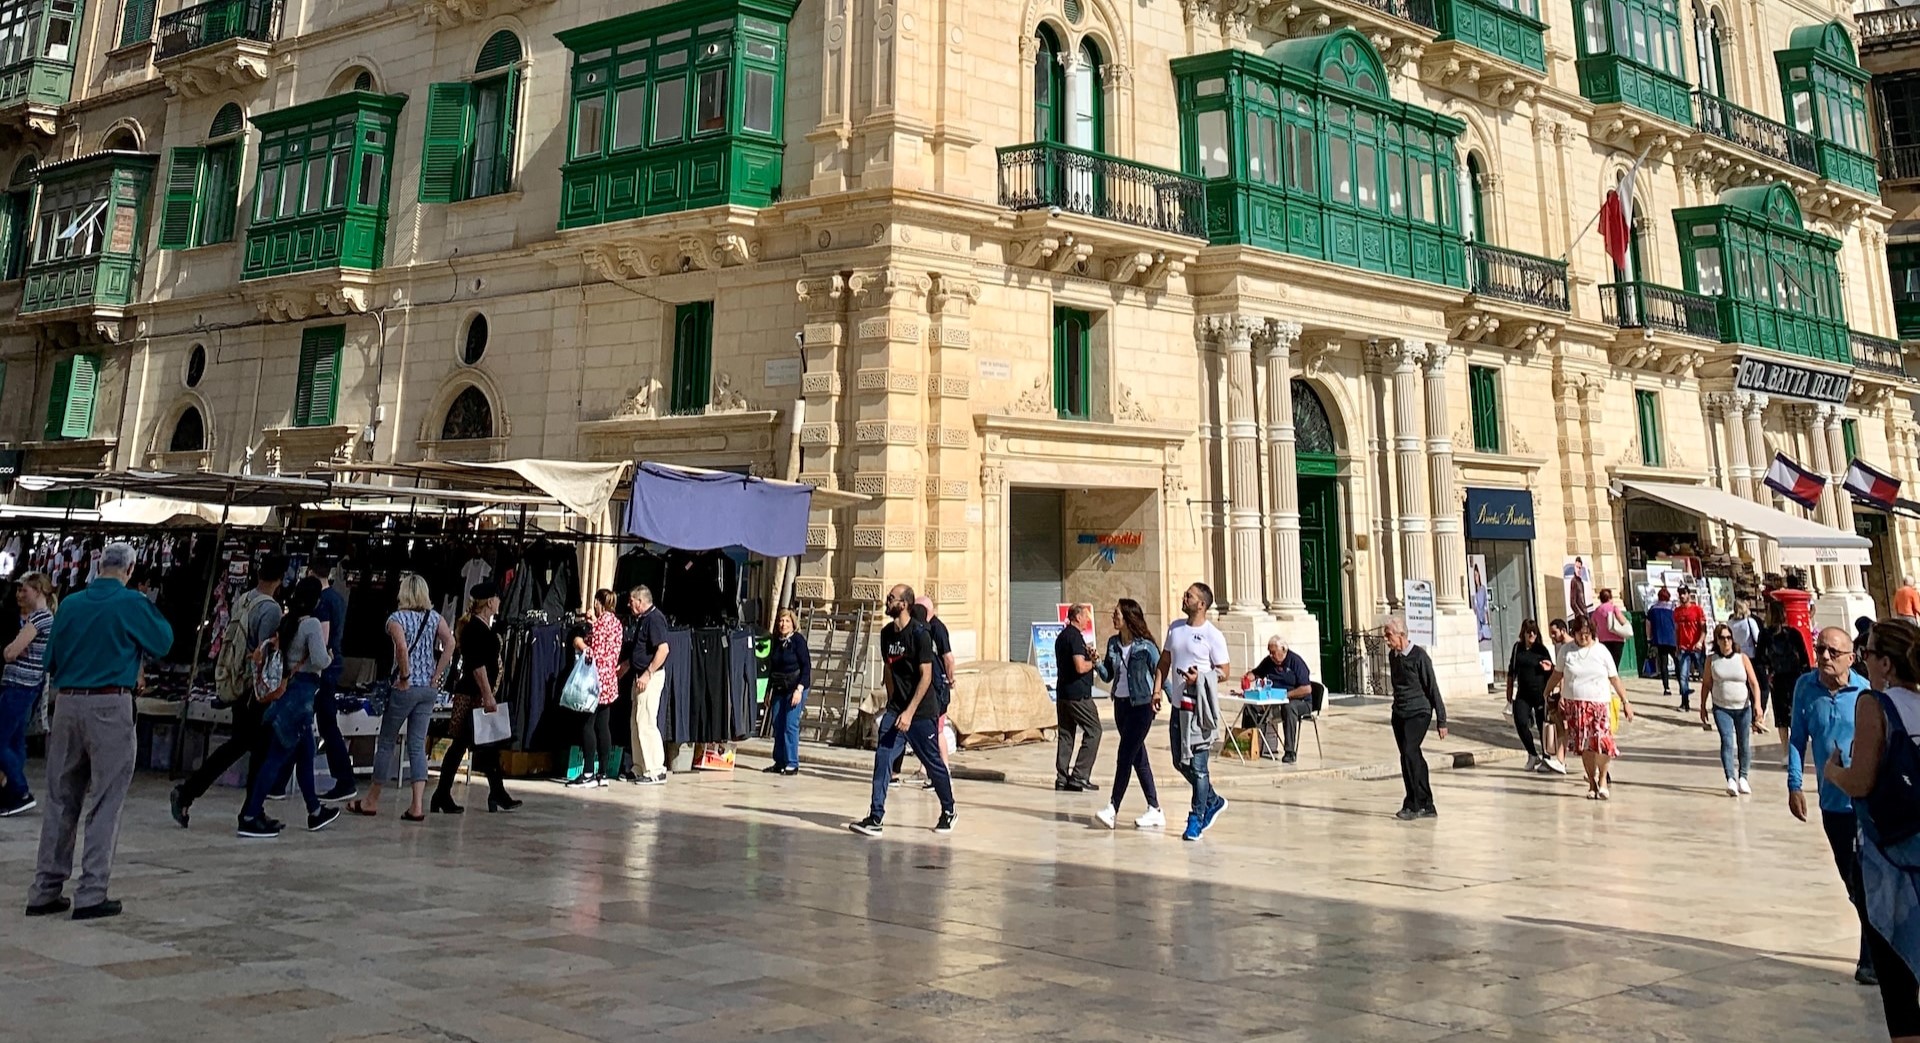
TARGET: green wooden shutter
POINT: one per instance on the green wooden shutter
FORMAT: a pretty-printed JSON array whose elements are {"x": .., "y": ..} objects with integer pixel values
[
  {"x": 1484, "y": 390},
  {"x": 221, "y": 193},
  {"x": 1647, "y": 406},
  {"x": 317, "y": 387},
  {"x": 501, "y": 49},
  {"x": 70, "y": 401},
  {"x": 180, "y": 202},
  {"x": 509, "y": 110},
  {"x": 692, "y": 357},
  {"x": 443, "y": 160},
  {"x": 1072, "y": 362},
  {"x": 136, "y": 25},
  {"x": 1850, "y": 436}
]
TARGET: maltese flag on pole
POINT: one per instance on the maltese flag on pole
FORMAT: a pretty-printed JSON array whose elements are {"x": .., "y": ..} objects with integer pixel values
[
  {"x": 1794, "y": 482},
  {"x": 1875, "y": 487}
]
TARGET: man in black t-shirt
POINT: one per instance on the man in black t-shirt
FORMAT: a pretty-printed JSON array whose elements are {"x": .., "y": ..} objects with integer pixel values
[
  {"x": 1076, "y": 712},
  {"x": 914, "y": 705}
]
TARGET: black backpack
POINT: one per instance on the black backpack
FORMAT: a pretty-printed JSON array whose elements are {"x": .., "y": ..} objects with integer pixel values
[
  {"x": 941, "y": 689},
  {"x": 1895, "y": 800}
]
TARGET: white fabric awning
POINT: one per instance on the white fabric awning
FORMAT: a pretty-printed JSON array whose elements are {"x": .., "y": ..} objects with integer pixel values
[{"x": 1801, "y": 541}]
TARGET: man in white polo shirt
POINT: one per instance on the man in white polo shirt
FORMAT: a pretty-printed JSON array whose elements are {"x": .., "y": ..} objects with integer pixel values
[{"x": 1195, "y": 648}]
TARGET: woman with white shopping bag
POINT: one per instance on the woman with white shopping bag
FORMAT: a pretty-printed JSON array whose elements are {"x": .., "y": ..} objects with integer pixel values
[
  {"x": 600, "y": 648},
  {"x": 478, "y": 720}
]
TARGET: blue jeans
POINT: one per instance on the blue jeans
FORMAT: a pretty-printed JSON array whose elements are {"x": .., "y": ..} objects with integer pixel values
[
  {"x": 298, "y": 757},
  {"x": 1690, "y": 668},
  {"x": 1193, "y": 770},
  {"x": 786, "y": 729},
  {"x": 1736, "y": 729},
  {"x": 924, "y": 736},
  {"x": 414, "y": 708},
  {"x": 326, "y": 718},
  {"x": 16, "y": 705}
]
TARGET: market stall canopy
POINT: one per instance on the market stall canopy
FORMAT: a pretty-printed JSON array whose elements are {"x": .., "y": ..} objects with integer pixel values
[
  {"x": 691, "y": 508},
  {"x": 1801, "y": 541},
  {"x": 154, "y": 511},
  {"x": 234, "y": 491},
  {"x": 581, "y": 487}
]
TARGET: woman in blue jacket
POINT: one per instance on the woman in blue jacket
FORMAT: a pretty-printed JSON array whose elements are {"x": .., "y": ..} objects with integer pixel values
[{"x": 1129, "y": 665}]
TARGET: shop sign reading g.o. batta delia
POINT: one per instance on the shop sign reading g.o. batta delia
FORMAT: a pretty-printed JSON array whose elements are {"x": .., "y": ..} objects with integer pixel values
[{"x": 1779, "y": 378}]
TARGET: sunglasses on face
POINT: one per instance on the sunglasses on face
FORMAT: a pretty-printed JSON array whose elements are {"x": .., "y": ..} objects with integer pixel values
[{"x": 1830, "y": 652}]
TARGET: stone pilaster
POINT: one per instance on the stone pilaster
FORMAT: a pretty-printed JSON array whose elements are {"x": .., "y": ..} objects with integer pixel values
[
  {"x": 888, "y": 456},
  {"x": 825, "y": 338},
  {"x": 1449, "y": 546},
  {"x": 952, "y": 462},
  {"x": 1814, "y": 420},
  {"x": 1283, "y": 490},
  {"x": 1416, "y": 550},
  {"x": 1380, "y": 361},
  {"x": 1753, "y": 411},
  {"x": 1728, "y": 411},
  {"x": 1855, "y": 583},
  {"x": 1235, "y": 335}
]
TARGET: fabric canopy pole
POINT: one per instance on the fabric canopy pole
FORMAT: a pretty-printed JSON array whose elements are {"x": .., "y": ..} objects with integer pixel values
[{"x": 709, "y": 510}]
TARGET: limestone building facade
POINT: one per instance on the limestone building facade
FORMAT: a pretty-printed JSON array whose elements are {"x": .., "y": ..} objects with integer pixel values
[{"x": 1306, "y": 299}]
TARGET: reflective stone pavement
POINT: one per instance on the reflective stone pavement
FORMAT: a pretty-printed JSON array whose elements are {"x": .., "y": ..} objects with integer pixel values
[{"x": 732, "y": 908}]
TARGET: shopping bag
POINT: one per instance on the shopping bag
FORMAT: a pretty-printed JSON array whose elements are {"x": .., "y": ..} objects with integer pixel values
[
  {"x": 581, "y": 693},
  {"x": 489, "y": 728}
]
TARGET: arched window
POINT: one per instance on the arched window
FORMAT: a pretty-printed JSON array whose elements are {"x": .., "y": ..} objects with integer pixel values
[
  {"x": 470, "y": 416},
  {"x": 1312, "y": 428},
  {"x": 353, "y": 78},
  {"x": 1086, "y": 128},
  {"x": 1476, "y": 200},
  {"x": 122, "y": 139},
  {"x": 471, "y": 126},
  {"x": 230, "y": 120},
  {"x": 189, "y": 433},
  {"x": 1706, "y": 50},
  {"x": 1049, "y": 88},
  {"x": 15, "y": 210}
]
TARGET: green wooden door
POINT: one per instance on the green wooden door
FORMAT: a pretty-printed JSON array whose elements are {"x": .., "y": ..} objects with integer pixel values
[{"x": 1320, "y": 542}]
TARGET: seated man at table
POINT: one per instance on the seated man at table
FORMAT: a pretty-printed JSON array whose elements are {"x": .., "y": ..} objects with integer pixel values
[{"x": 1282, "y": 671}]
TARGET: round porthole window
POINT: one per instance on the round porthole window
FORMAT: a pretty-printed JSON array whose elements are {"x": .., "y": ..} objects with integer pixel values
[
  {"x": 475, "y": 345},
  {"x": 196, "y": 365}
]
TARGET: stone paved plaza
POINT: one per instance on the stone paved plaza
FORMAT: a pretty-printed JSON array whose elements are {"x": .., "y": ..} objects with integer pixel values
[{"x": 734, "y": 908}]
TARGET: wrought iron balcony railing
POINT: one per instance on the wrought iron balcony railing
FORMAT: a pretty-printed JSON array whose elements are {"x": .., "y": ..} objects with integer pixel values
[
  {"x": 1514, "y": 276},
  {"x": 1876, "y": 354},
  {"x": 204, "y": 25},
  {"x": 1419, "y": 12},
  {"x": 1756, "y": 133},
  {"x": 1078, "y": 181},
  {"x": 1900, "y": 162},
  {"x": 1645, "y": 305}
]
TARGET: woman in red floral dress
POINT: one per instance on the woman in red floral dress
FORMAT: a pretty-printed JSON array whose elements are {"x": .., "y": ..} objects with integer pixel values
[{"x": 602, "y": 643}]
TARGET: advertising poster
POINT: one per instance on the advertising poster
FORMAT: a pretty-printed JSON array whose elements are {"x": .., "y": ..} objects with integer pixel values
[
  {"x": 1040, "y": 653},
  {"x": 1065, "y": 610},
  {"x": 1480, "y": 598},
  {"x": 1419, "y": 601},
  {"x": 1577, "y": 580}
]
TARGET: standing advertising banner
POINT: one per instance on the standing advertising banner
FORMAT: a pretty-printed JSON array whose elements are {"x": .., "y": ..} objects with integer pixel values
[
  {"x": 1040, "y": 653},
  {"x": 1480, "y": 597},
  {"x": 1065, "y": 609},
  {"x": 1419, "y": 601}
]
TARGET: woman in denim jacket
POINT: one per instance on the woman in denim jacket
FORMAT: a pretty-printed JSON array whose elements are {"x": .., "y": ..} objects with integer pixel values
[{"x": 1129, "y": 665}]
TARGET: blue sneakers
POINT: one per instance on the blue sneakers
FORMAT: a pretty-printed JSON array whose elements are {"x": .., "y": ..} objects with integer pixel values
[
  {"x": 1219, "y": 805},
  {"x": 1195, "y": 827}
]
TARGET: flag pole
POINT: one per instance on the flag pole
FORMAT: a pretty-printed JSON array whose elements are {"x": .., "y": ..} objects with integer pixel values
[{"x": 1626, "y": 202}]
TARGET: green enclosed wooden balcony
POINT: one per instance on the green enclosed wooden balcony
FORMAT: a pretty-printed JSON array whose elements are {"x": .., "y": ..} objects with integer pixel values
[
  {"x": 1509, "y": 29},
  {"x": 320, "y": 200},
  {"x": 88, "y": 238},
  {"x": 37, "y": 59},
  {"x": 1612, "y": 79},
  {"x": 1784, "y": 330},
  {"x": 1629, "y": 53},
  {"x": 1849, "y": 167}
]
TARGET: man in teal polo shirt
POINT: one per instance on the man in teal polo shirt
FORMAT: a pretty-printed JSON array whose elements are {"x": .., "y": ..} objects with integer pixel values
[
  {"x": 1823, "y": 720},
  {"x": 100, "y": 637}
]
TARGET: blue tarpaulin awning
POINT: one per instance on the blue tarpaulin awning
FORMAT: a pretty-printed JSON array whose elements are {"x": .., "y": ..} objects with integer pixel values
[{"x": 690, "y": 508}]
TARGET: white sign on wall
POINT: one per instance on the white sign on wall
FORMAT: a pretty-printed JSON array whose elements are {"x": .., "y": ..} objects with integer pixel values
[
  {"x": 1419, "y": 601},
  {"x": 996, "y": 369},
  {"x": 782, "y": 372}
]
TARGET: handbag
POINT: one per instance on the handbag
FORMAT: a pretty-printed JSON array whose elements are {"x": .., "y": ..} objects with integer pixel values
[
  {"x": 380, "y": 693},
  {"x": 1617, "y": 624},
  {"x": 489, "y": 728},
  {"x": 581, "y": 694}
]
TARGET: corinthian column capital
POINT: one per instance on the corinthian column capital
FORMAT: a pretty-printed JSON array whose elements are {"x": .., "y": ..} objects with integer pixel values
[
  {"x": 1278, "y": 336},
  {"x": 1437, "y": 354}
]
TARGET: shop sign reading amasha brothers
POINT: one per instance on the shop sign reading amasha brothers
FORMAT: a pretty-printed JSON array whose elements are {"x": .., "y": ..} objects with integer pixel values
[{"x": 1779, "y": 378}]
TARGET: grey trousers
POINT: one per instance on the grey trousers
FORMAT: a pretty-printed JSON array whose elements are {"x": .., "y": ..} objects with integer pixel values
[
  {"x": 89, "y": 766},
  {"x": 1076, "y": 717}
]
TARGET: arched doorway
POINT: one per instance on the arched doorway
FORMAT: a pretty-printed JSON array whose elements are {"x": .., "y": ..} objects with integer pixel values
[{"x": 1321, "y": 537}]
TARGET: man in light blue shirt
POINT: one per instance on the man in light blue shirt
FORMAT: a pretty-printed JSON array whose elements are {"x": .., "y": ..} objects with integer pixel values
[{"x": 1823, "y": 702}]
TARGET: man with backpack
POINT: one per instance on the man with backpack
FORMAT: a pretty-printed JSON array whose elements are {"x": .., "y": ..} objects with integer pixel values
[
  {"x": 254, "y": 618},
  {"x": 1821, "y": 723},
  {"x": 917, "y": 694}
]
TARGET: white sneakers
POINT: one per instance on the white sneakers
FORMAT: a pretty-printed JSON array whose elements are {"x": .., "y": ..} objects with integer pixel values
[
  {"x": 1106, "y": 815},
  {"x": 1733, "y": 788},
  {"x": 1744, "y": 788},
  {"x": 1153, "y": 819},
  {"x": 1533, "y": 763},
  {"x": 1553, "y": 765}
]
